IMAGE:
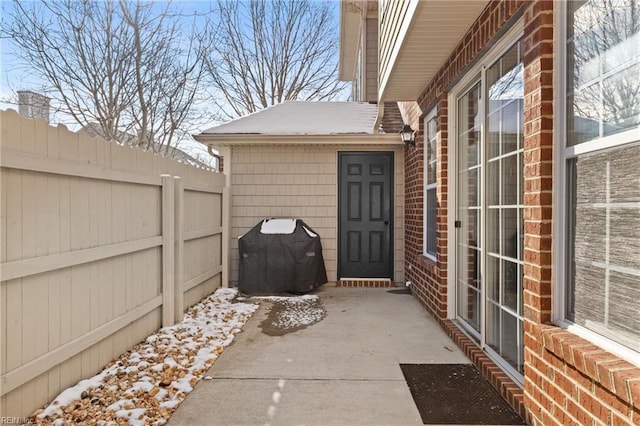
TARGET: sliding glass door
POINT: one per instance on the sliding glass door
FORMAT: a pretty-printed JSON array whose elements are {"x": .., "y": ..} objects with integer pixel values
[{"x": 489, "y": 222}]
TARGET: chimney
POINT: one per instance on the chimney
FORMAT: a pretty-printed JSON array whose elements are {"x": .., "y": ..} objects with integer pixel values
[{"x": 33, "y": 105}]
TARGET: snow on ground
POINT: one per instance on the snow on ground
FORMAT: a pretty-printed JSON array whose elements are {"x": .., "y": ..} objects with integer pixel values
[
  {"x": 298, "y": 313},
  {"x": 145, "y": 385},
  {"x": 292, "y": 299},
  {"x": 294, "y": 312}
]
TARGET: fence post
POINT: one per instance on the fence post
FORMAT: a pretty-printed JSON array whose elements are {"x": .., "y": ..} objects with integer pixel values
[
  {"x": 168, "y": 259},
  {"x": 179, "y": 248}
]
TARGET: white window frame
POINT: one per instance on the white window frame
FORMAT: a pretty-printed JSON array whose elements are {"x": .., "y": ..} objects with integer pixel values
[
  {"x": 562, "y": 153},
  {"x": 427, "y": 187},
  {"x": 472, "y": 76}
]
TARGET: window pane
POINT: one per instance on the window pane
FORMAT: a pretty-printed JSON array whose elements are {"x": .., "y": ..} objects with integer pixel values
[
  {"x": 603, "y": 65},
  {"x": 509, "y": 232},
  {"x": 431, "y": 128},
  {"x": 510, "y": 172},
  {"x": 431, "y": 221},
  {"x": 604, "y": 249},
  {"x": 511, "y": 338},
  {"x": 493, "y": 278},
  {"x": 430, "y": 156},
  {"x": 493, "y": 134},
  {"x": 493, "y": 329},
  {"x": 493, "y": 230},
  {"x": 473, "y": 227},
  {"x": 493, "y": 183},
  {"x": 473, "y": 187},
  {"x": 621, "y": 106},
  {"x": 470, "y": 124},
  {"x": 510, "y": 285},
  {"x": 431, "y": 162}
]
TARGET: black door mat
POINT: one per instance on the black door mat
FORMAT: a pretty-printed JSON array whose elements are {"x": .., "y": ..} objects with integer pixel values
[
  {"x": 400, "y": 290},
  {"x": 456, "y": 394}
]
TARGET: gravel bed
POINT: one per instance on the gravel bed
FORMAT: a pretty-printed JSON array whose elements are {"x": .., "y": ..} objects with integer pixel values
[{"x": 145, "y": 385}]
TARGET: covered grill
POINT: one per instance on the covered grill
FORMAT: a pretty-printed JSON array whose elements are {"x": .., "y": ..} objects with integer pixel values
[{"x": 280, "y": 256}]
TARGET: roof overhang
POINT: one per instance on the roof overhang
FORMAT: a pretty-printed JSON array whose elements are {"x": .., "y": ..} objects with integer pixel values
[
  {"x": 428, "y": 36},
  {"x": 346, "y": 140},
  {"x": 350, "y": 27}
]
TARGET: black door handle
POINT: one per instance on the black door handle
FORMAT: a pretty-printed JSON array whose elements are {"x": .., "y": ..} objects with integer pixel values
[{"x": 386, "y": 222}]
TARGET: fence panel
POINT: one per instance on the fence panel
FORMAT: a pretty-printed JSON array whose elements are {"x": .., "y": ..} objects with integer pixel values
[{"x": 97, "y": 251}]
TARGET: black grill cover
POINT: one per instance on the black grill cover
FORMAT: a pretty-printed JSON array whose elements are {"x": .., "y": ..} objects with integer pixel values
[{"x": 281, "y": 263}]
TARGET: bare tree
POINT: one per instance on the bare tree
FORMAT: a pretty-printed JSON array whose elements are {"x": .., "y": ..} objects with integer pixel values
[
  {"x": 604, "y": 75},
  {"x": 126, "y": 70},
  {"x": 270, "y": 51}
]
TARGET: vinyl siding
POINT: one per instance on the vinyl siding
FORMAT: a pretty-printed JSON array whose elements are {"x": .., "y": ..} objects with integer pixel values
[{"x": 300, "y": 182}]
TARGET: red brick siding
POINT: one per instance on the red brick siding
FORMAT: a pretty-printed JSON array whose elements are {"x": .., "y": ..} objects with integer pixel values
[
  {"x": 567, "y": 379},
  {"x": 538, "y": 167},
  {"x": 429, "y": 278},
  {"x": 571, "y": 381},
  {"x": 392, "y": 118},
  {"x": 370, "y": 283}
]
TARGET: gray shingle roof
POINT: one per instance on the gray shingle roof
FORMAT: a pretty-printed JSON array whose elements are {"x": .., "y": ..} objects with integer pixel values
[{"x": 304, "y": 118}]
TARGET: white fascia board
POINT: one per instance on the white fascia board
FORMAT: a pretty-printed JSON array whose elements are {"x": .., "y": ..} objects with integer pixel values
[
  {"x": 230, "y": 140},
  {"x": 397, "y": 48}
]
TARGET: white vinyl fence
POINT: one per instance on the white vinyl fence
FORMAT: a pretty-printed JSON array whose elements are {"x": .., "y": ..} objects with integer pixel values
[{"x": 100, "y": 246}]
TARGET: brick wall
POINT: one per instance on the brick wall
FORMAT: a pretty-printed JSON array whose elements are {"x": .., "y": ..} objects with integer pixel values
[
  {"x": 428, "y": 278},
  {"x": 568, "y": 380},
  {"x": 571, "y": 381},
  {"x": 392, "y": 119}
]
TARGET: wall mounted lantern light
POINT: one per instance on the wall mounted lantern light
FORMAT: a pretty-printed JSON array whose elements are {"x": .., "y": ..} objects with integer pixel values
[{"x": 408, "y": 135}]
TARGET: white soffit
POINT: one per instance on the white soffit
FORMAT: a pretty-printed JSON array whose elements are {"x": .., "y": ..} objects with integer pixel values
[{"x": 436, "y": 27}]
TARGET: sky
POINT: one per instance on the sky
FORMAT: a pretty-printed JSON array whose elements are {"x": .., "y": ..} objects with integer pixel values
[{"x": 14, "y": 77}]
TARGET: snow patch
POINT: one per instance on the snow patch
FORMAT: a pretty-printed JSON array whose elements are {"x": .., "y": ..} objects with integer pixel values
[
  {"x": 298, "y": 314},
  {"x": 278, "y": 226},
  {"x": 288, "y": 299},
  {"x": 164, "y": 368}
]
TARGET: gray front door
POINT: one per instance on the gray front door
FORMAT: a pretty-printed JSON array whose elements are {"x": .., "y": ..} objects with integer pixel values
[{"x": 365, "y": 215}]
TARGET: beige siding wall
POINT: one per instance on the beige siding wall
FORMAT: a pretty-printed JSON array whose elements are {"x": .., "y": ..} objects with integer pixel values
[
  {"x": 392, "y": 14},
  {"x": 300, "y": 182},
  {"x": 371, "y": 56},
  {"x": 89, "y": 257}
]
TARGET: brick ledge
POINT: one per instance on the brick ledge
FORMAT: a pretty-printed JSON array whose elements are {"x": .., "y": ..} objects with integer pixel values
[
  {"x": 365, "y": 282},
  {"x": 500, "y": 381},
  {"x": 619, "y": 377}
]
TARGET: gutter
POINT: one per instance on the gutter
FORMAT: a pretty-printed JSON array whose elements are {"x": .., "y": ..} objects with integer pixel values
[{"x": 235, "y": 139}]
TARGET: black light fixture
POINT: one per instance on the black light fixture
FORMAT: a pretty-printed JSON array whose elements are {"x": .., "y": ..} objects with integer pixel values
[{"x": 408, "y": 135}]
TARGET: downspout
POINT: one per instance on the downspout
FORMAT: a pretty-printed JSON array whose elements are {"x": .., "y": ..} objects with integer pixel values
[
  {"x": 214, "y": 155},
  {"x": 226, "y": 216}
]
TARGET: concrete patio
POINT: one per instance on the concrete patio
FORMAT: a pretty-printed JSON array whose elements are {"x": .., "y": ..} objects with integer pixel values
[{"x": 341, "y": 370}]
